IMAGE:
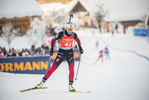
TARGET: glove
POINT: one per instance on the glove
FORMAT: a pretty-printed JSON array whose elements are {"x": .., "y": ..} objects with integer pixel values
[
  {"x": 51, "y": 51},
  {"x": 81, "y": 50}
]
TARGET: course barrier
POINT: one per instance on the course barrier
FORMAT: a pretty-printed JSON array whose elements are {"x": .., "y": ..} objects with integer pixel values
[
  {"x": 30, "y": 65},
  {"x": 124, "y": 50}
]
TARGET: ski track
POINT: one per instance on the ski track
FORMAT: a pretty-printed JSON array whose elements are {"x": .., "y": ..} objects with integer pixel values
[
  {"x": 123, "y": 50},
  {"x": 123, "y": 77}
]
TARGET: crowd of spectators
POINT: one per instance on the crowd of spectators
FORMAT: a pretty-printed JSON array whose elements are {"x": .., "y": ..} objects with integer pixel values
[{"x": 22, "y": 53}]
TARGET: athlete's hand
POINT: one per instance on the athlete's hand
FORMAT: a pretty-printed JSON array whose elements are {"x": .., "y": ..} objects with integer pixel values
[
  {"x": 51, "y": 51},
  {"x": 81, "y": 50}
]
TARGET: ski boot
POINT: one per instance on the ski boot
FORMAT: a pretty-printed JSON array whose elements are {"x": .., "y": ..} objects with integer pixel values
[
  {"x": 71, "y": 89},
  {"x": 41, "y": 83}
]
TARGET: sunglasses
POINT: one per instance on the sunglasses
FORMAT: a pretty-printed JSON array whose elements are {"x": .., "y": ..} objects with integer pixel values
[{"x": 70, "y": 29}]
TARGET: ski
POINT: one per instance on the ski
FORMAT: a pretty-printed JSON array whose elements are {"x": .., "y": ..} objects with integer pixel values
[
  {"x": 77, "y": 91},
  {"x": 34, "y": 88}
]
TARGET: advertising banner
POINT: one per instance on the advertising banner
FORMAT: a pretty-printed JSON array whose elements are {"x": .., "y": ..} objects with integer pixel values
[
  {"x": 30, "y": 65},
  {"x": 141, "y": 32}
]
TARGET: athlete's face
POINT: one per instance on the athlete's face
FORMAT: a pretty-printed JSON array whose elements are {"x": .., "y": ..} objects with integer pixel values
[{"x": 69, "y": 30}]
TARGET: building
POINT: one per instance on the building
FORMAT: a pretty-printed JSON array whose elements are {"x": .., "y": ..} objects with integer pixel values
[
  {"x": 126, "y": 12},
  {"x": 19, "y": 13},
  {"x": 77, "y": 7},
  {"x": 80, "y": 8}
]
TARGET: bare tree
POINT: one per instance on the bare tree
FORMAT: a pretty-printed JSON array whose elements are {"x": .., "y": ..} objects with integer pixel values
[
  {"x": 36, "y": 32},
  {"x": 8, "y": 32},
  {"x": 59, "y": 18},
  {"x": 56, "y": 18},
  {"x": 99, "y": 15}
]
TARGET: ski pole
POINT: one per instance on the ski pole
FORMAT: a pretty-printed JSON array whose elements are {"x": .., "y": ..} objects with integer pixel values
[
  {"x": 71, "y": 16},
  {"x": 78, "y": 68},
  {"x": 49, "y": 63}
]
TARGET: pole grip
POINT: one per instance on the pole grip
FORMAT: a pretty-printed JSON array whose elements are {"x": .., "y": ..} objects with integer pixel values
[{"x": 71, "y": 16}]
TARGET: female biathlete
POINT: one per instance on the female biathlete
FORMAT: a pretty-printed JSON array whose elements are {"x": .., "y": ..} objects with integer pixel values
[{"x": 65, "y": 51}]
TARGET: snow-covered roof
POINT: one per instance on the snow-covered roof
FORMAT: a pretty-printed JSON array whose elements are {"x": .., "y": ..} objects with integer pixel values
[
  {"x": 126, "y": 10},
  {"x": 72, "y": 4},
  {"x": 52, "y": 6},
  {"x": 118, "y": 10},
  {"x": 19, "y": 8}
]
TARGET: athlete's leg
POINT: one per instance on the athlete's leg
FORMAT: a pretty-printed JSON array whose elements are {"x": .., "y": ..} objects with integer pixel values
[
  {"x": 71, "y": 68},
  {"x": 55, "y": 65},
  {"x": 70, "y": 61}
]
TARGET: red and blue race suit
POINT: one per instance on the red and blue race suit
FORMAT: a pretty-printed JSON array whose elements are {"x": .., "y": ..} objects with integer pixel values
[{"x": 65, "y": 52}]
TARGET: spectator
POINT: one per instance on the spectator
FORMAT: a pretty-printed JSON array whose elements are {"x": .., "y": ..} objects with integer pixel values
[
  {"x": 1, "y": 55},
  {"x": 116, "y": 27},
  {"x": 124, "y": 28},
  {"x": 14, "y": 53}
]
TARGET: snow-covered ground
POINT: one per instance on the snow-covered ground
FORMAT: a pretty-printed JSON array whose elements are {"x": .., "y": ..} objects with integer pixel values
[{"x": 123, "y": 77}]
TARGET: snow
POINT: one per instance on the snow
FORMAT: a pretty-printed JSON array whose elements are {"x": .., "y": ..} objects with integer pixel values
[
  {"x": 52, "y": 6},
  {"x": 120, "y": 10},
  {"x": 123, "y": 77},
  {"x": 126, "y": 10},
  {"x": 23, "y": 8}
]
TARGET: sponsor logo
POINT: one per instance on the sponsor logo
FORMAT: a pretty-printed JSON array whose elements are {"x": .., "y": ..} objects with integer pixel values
[
  {"x": 23, "y": 66},
  {"x": 57, "y": 60}
]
